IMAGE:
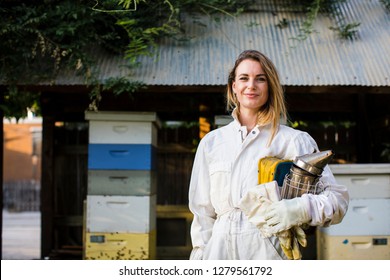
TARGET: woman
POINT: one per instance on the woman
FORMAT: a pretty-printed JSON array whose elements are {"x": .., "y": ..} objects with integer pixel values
[{"x": 225, "y": 168}]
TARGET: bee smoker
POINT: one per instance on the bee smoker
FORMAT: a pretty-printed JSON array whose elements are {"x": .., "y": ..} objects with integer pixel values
[{"x": 305, "y": 173}]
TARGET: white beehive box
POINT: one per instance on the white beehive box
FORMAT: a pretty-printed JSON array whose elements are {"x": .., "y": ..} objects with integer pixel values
[
  {"x": 121, "y": 214},
  {"x": 364, "y": 180},
  {"x": 364, "y": 217},
  {"x": 122, "y": 182},
  {"x": 122, "y": 127}
]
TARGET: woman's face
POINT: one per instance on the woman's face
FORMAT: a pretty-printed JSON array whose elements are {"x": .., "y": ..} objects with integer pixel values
[{"x": 250, "y": 85}]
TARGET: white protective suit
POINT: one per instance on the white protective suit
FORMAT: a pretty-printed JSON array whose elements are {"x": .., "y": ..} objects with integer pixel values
[{"x": 225, "y": 167}]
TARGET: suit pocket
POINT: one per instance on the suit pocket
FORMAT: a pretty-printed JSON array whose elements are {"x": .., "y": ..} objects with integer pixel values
[{"x": 220, "y": 173}]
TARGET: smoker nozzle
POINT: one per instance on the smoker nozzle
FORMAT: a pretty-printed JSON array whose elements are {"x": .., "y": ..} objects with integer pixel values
[{"x": 314, "y": 163}]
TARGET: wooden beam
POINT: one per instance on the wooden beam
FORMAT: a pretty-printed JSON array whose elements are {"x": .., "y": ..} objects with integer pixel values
[{"x": 336, "y": 90}]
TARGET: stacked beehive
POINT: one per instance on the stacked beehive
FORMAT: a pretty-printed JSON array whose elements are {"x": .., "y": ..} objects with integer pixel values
[
  {"x": 364, "y": 232},
  {"x": 120, "y": 219}
]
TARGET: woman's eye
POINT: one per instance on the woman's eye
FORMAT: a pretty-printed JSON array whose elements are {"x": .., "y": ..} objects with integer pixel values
[
  {"x": 243, "y": 79},
  {"x": 262, "y": 79}
]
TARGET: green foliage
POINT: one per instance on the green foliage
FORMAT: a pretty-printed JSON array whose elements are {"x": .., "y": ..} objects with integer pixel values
[
  {"x": 386, "y": 3},
  {"x": 283, "y": 23},
  {"x": 16, "y": 102},
  {"x": 146, "y": 22},
  {"x": 41, "y": 39},
  {"x": 347, "y": 31},
  {"x": 122, "y": 85},
  {"x": 38, "y": 39},
  {"x": 314, "y": 8},
  {"x": 298, "y": 124},
  {"x": 115, "y": 85}
]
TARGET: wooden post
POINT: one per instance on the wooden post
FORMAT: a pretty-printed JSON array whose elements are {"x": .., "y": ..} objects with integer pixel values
[
  {"x": 47, "y": 186},
  {"x": 364, "y": 149},
  {"x": 1, "y": 167}
]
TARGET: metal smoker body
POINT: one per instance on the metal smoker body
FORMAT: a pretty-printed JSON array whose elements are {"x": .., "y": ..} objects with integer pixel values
[{"x": 305, "y": 174}]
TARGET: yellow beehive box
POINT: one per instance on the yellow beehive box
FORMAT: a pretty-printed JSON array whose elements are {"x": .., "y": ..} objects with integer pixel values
[
  {"x": 120, "y": 246},
  {"x": 375, "y": 247}
]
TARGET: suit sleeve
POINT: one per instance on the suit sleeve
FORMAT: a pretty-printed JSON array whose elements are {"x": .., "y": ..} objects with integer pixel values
[{"x": 330, "y": 206}]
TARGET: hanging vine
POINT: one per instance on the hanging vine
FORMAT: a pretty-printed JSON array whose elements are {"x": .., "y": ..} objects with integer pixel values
[{"x": 331, "y": 8}]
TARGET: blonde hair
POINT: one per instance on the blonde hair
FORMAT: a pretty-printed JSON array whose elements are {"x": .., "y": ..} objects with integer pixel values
[{"x": 275, "y": 107}]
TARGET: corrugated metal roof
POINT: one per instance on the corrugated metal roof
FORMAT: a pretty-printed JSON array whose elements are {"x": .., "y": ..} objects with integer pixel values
[{"x": 320, "y": 60}]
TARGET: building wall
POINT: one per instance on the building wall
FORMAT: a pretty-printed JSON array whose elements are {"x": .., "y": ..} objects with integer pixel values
[{"x": 22, "y": 150}]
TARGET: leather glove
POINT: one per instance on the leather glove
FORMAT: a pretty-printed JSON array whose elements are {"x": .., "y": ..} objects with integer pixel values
[
  {"x": 290, "y": 240},
  {"x": 255, "y": 203},
  {"x": 284, "y": 214}
]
